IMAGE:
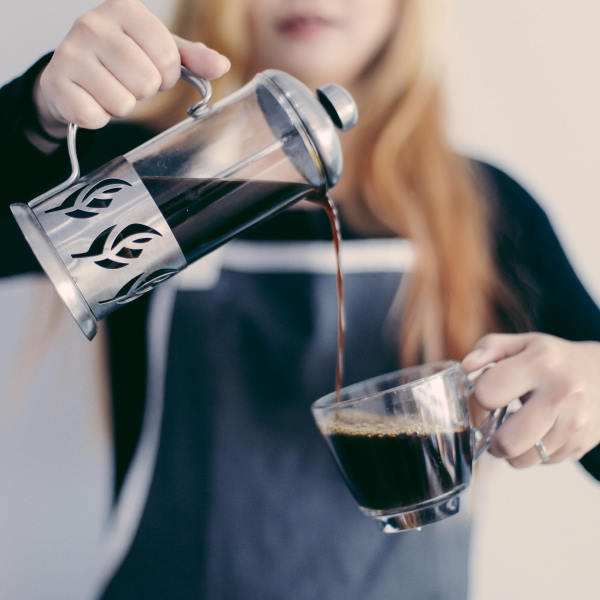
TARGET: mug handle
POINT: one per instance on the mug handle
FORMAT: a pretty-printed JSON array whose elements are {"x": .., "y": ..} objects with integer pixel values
[
  {"x": 481, "y": 436},
  {"x": 201, "y": 84}
]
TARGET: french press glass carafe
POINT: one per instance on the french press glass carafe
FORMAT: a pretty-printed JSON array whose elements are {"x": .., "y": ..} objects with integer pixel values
[{"x": 108, "y": 237}]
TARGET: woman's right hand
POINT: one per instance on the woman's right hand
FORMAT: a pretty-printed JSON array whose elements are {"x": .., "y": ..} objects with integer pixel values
[{"x": 114, "y": 55}]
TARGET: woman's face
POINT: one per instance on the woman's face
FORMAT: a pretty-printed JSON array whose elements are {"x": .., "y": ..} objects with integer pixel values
[{"x": 320, "y": 40}]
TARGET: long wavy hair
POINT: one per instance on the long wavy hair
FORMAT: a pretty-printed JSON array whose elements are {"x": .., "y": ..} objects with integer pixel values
[{"x": 400, "y": 173}]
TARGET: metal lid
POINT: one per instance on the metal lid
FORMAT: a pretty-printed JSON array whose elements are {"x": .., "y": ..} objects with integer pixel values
[{"x": 319, "y": 115}]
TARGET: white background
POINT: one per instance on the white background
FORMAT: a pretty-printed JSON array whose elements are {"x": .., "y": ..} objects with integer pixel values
[{"x": 524, "y": 93}]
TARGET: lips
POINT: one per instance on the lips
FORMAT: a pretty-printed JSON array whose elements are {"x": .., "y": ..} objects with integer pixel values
[{"x": 301, "y": 25}]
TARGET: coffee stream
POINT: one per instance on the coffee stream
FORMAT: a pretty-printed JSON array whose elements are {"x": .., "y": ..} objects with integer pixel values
[{"x": 327, "y": 203}]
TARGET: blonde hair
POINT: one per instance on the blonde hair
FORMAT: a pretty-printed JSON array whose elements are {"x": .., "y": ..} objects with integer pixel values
[{"x": 399, "y": 173}]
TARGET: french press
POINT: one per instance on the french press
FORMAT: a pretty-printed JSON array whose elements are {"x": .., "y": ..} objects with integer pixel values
[{"x": 108, "y": 237}]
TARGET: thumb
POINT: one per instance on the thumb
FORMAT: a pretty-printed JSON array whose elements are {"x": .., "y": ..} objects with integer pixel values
[
  {"x": 493, "y": 348},
  {"x": 200, "y": 59}
]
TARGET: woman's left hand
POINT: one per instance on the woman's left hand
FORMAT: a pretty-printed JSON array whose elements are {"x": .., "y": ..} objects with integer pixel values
[{"x": 558, "y": 382}]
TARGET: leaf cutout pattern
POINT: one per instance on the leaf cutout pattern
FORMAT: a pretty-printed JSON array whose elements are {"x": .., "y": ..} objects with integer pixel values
[
  {"x": 97, "y": 246},
  {"x": 69, "y": 201},
  {"x": 80, "y": 214},
  {"x": 97, "y": 197},
  {"x": 115, "y": 250},
  {"x": 132, "y": 230},
  {"x": 99, "y": 203},
  {"x": 107, "y": 263},
  {"x": 129, "y": 253},
  {"x": 139, "y": 285}
]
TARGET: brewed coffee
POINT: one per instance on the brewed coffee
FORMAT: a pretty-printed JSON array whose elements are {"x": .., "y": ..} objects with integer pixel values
[
  {"x": 397, "y": 462},
  {"x": 205, "y": 213}
]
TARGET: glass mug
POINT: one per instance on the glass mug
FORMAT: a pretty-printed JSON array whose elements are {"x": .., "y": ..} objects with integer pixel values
[{"x": 404, "y": 442}]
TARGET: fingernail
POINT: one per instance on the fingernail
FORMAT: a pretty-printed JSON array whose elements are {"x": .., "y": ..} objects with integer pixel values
[
  {"x": 226, "y": 62},
  {"x": 474, "y": 355}
]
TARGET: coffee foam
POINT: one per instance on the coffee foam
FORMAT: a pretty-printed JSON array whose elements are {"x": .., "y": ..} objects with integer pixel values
[{"x": 367, "y": 424}]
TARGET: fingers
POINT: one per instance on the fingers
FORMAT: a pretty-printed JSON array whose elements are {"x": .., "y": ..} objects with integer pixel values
[
  {"x": 572, "y": 435},
  {"x": 117, "y": 53},
  {"x": 107, "y": 91},
  {"x": 521, "y": 430},
  {"x": 153, "y": 39},
  {"x": 73, "y": 103},
  {"x": 559, "y": 445},
  {"x": 507, "y": 380},
  {"x": 201, "y": 60},
  {"x": 525, "y": 363},
  {"x": 494, "y": 347},
  {"x": 141, "y": 66},
  {"x": 557, "y": 382},
  {"x": 128, "y": 64},
  {"x": 77, "y": 87}
]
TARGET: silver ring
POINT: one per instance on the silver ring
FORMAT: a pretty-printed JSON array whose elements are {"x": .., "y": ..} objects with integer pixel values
[{"x": 543, "y": 452}]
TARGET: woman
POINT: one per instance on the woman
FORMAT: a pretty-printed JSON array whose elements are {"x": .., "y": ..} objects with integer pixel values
[{"x": 244, "y": 501}]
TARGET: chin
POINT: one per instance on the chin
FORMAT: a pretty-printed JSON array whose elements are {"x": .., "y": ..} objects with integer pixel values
[
  {"x": 307, "y": 65},
  {"x": 312, "y": 78}
]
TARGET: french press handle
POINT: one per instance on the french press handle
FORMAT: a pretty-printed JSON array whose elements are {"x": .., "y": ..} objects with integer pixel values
[{"x": 201, "y": 84}]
